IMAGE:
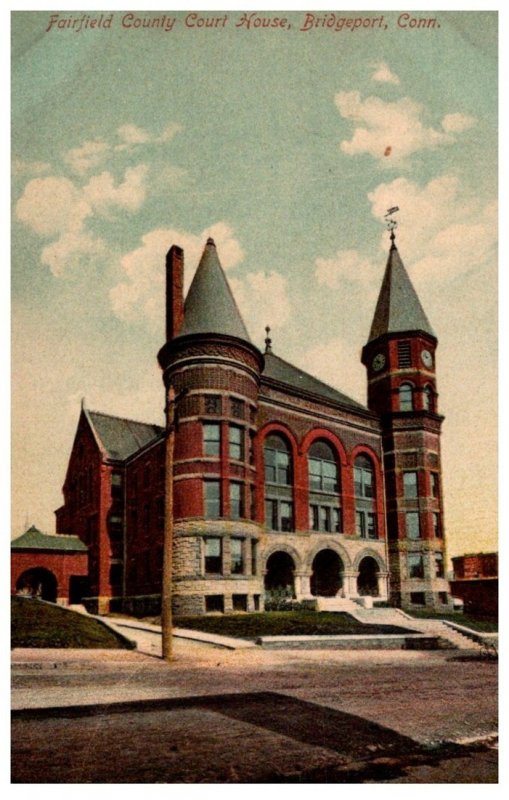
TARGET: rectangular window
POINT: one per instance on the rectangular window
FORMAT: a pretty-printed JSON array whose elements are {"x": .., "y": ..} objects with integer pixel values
[
  {"x": 239, "y": 602},
  {"x": 214, "y": 603},
  {"x": 418, "y": 598},
  {"x": 404, "y": 354},
  {"x": 437, "y": 527},
  {"x": 442, "y": 596},
  {"x": 410, "y": 484},
  {"x": 256, "y": 602},
  {"x": 325, "y": 518},
  {"x": 279, "y": 515},
  {"x": 439, "y": 562},
  {"x": 236, "y": 504},
  {"x": 236, "y": 440},
  {"x": 237, "y": 556},
  {"x": 286, "y": 516},
  {"x": 371, "y": 525},
  {"x": 415, "y": 566},
  {"x": 336, "y": 520},
  {"x": 435, "y": 486},
  {"x": 211, "y": 439},
  {"x": 271, "y": 514},
  {"x": 315, "y": 475},
  {"x": 314, "y": 518},
  {"x": 360, "y": 524},
  {"x": 116, "y": 484},
  {"x": 413, "y": 527},
  {"x": 212, "y": 490},
  {"x": 213, "y": 556},
  {"x": 212, "y": 403},
  {"x": 254, "y": 556}
]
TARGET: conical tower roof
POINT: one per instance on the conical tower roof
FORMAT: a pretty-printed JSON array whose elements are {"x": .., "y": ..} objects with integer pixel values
[
  {"x": 398, "y": 308},
  {"x": 210, "y": 306}
]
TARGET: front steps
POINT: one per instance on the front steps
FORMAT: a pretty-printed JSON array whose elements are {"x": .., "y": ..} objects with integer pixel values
[{"x": 394, "y": 616}]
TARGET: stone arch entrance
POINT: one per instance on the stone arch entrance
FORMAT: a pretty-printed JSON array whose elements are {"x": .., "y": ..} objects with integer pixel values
[
  {"x": 280, "y": 576},
  {"x": 367, "y": 580},
  {"x": 326, "y": 578},
  {"x": 38, "y": 582}
]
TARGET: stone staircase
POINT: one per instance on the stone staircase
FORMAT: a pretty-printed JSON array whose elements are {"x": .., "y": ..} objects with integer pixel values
[{"x": 448, "y": 634}]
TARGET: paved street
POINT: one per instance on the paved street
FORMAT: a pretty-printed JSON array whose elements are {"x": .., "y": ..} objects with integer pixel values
[{"x": 221, "y": 716}]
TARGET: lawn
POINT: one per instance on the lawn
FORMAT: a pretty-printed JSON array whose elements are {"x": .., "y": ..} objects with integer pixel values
[
  {"x": 480, "y": 624},
  {"x": 38, "y": 624},
  {"x": 282, "y": 623}
]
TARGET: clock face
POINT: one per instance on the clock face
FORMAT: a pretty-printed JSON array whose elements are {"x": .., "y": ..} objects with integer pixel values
[
  {"x": 427, "y": 358},
  {"x": 378, "y": 362}
]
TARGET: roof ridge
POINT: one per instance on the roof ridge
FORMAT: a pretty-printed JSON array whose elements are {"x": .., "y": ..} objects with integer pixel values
[{"x": 125, "y": 419}]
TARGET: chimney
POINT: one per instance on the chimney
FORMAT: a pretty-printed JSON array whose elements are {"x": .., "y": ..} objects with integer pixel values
[{"x": 174, "y": 291}]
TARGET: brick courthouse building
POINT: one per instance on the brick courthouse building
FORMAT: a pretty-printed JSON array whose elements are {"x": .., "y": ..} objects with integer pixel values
[{"x": 283, "y": 486}]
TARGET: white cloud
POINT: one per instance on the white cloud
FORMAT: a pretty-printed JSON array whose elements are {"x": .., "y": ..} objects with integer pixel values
[
  {"x": 345, "y": 266},
  {"x": 72, "y": 249},
  {"x": 87, "y": 156},
  {"x": 103, "y": 195},
  {"x": 383, "y": 74},
  {"x": 443, "y": 231},
  {"x": 132, "y": 134},
  {"x": 51, "y": 206},
  {"x": 29, "y": 168},
  {"x": 392, "y": 131},
  {"x": 141, "y": 295},
  {"x": 263, "y": 299},
  {"x": 457, "y": 123}
]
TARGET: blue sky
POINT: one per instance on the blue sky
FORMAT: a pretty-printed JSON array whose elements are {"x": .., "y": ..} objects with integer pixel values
[{"x": 285, "y": 145}]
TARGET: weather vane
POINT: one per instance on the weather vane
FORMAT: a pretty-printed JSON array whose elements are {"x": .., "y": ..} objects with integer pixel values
[{"x": 390, "y": 222}]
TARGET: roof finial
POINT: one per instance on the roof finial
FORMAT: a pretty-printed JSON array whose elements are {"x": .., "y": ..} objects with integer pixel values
[
  {"x": 268, "y": 340},
  {"x": 82, "y": 403},
  {"x": 211, "y": 241},
  {"x": 391, "y": 224}
]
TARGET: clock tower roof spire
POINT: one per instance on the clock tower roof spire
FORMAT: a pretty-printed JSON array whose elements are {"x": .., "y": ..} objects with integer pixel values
[{"x": 398, "y": 307}]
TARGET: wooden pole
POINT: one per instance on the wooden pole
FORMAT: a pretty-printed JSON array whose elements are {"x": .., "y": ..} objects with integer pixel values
[{"x": 166, "y": 593}]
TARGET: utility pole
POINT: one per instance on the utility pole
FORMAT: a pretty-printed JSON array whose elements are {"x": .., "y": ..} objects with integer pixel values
[{"x": 166, "y": 620}]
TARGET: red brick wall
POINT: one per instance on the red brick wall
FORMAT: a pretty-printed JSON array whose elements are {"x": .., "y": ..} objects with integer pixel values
[{"x": 62, "y": 565}]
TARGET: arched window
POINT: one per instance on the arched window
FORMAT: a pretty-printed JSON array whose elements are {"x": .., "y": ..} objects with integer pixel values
[
  {"x": 364, "y": 486},
  {"x": 278, "y": 484},
  {"x": 324, "y": 498},
  {"x": 427, "y": 398},
  {"x": 406, "y": 402}
]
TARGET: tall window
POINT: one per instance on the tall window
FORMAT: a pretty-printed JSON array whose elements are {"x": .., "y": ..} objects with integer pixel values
[
  {"x": 236, "y": 504},
  {"x": 406, "y": 402},
  {"x": 213, "y": 556},
  {"x": 415, "y": 566},
  {"x": 211, "y": 439},
  {"x": 236, "y": 442},
  {"x": 437, "y": 527},
  {"x": 323, "y": 468},
  {"x": 277, "y": 461},
  {"x": 324, "y": 498},
  {"x": 278, "y": 484},
  {"x": 439, "y": 565},
  {"x": 435, "y": 485},
  {"x": 413, "y": 527},
  {"x": 404, "y": 354},
  {"x": 212, "y": 497},
  {"x": 237, "y": 556},
  {"x": 364, "y": 486},
  {"x": 410, "y": 484},
  {"x": 427, "y": 398}
]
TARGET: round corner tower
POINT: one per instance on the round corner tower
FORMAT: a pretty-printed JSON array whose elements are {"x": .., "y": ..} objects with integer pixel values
[
  {"x": 211, "y": 373},
  {"x": 401, "y": 371}
]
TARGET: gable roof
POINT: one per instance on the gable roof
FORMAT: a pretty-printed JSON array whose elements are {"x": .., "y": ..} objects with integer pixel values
[
  {"x": 34, "y": 539},
  {"x": 276, "y": 369},
  {"x": 121, "y": 437},
  {"x": 398, "y": 307},
  {"x": 210, "y": 306}
]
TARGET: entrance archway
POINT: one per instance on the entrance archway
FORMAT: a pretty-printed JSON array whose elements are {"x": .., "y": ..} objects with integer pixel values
[
  {"x": 326, "y": 580},
  {"x": 367, "y": 580},
  {"x": 279, "y": 578},
  {"x": 38, "y": 582}
]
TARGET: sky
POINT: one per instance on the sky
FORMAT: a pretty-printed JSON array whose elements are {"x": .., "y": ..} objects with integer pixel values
[{"x": 285, "y": 144}]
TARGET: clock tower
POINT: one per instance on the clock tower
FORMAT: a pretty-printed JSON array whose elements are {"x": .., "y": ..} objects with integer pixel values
[{"x": 400, "y": 358}]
